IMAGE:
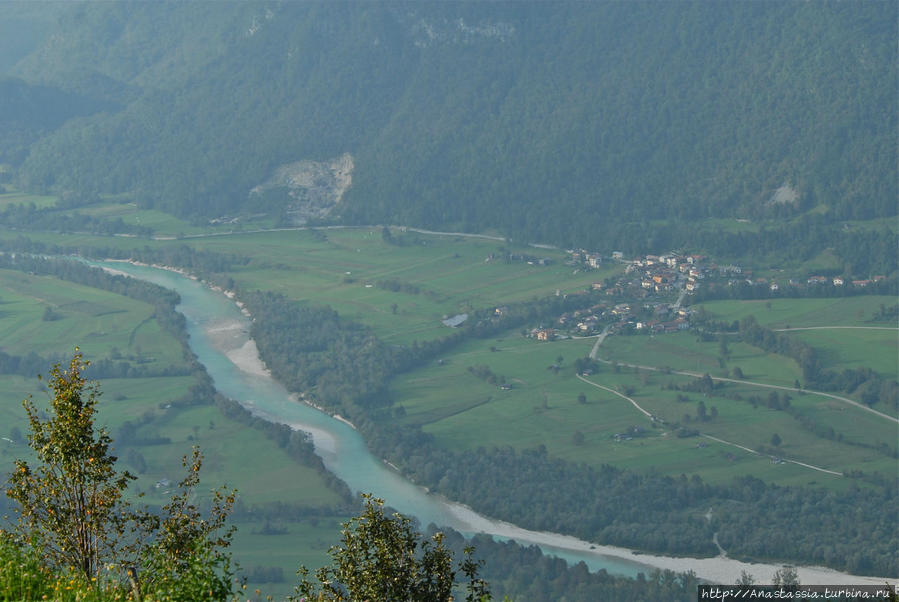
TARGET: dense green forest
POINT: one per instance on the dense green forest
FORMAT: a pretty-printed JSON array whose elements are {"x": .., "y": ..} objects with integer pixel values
[{"x": 451, "y": 110}]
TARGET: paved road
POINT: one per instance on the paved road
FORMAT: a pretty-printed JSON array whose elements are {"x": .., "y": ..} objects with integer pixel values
[{"x": 599, "y": 339}]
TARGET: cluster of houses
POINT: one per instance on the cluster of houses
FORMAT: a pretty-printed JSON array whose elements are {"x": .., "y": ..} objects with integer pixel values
[
  {"x": 649, "y": 317},
  {"x": 660, "y": 274},
  {"x": 812, "y": 281},
  {"x": 656, "y": 274},
  {"x": 654, "y": 286},
  {"x": 838, "y": 281}
]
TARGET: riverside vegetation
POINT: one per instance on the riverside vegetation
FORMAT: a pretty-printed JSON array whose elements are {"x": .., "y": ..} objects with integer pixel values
[{"x": 79, "y": 537}]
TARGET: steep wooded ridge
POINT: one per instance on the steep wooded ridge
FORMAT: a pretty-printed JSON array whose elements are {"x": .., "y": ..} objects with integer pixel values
[{"x": 545, "y": 121}]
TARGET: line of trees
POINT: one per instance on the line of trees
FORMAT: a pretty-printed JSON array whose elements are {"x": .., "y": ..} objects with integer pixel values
[{"x": 874, "y": 388}]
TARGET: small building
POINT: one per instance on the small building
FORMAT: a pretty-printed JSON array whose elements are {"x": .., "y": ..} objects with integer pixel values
[{"x": 545, "y": 334}]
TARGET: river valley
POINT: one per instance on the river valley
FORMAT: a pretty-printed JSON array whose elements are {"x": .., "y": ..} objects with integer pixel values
[{"x": 219, "y": 336}]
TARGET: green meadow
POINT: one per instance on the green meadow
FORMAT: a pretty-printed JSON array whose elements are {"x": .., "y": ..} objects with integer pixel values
[
  {"x": 842, "y": 349},
  {"x": 865, "y": 343},
  {"x": 24, "y": 198},
  {"x": 50, "y": 317},
  {"x": 438, "y": 276},
  {"x": 461, "y": 409},
  {"x": 794, "y": 313},
  {"x": 292, "y": 544},
  {"x": 164, "y": 225},
  {"x": 683, "y": 351}
]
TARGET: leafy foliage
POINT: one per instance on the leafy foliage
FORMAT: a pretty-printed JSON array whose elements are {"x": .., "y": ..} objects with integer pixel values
[
  {"x": 381, "y": 558},
  {"x": 72, "y": 503},
  {"x": 188, "y": 559},
  {"x": 77, "y": 530}
]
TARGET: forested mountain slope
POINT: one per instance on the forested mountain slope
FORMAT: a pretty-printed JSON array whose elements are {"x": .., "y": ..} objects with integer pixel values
[{"x": 546, "y": 121}]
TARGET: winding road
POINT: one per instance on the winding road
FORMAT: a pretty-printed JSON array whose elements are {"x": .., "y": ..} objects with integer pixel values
[
  {"x": 861, "y": 406},
  {"x": 605, "y": 333},
  {"x": 723, "y": 441}
]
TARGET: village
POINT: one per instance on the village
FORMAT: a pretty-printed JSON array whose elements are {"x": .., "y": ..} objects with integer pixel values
[{"x": 649, "y": 297}]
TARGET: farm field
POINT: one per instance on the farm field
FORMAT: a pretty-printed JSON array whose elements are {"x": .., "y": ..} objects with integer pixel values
[
  {"x": 402, "y": 290},
  {"x": 682, "y": 351},
  {"x": 23, "y": 198},
  {"x": 842, "y": 349},
  {"x": 164, "y": 225},
  {"x": 462, "y": 409},
  {"x": 50, "y": 316},
  {"x": 793, "y": 313},
  {"x": 303, "y": 542}
]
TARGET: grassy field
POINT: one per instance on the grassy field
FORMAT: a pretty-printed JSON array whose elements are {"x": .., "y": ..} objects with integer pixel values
[
  {"x": 873, "y": 345},
  {"x": 794, "y": 313},
  {"x": 303, "y": 543},
  {"x": 440, "y": 275},
  {"x": 23, "y": 198},
  {"x": 236, "y": 455},
  {"x": 163, "y": 224},
  {"x": 51, "y": 317},
  {"x": 462, "y": 409},
  {"x": 682, "y": 351},
  {"x": 840, "y": 349}
]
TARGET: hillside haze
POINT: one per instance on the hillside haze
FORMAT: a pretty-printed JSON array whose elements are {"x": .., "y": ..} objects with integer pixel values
[{"x": 545, "y": 121}]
